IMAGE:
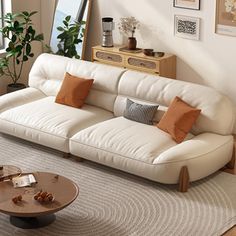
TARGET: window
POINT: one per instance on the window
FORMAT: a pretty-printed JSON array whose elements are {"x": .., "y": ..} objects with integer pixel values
[
  {"x": 78, "y": 10},
  {"x": 1, "y": 24},
  {"x": 5, "y": 7}
]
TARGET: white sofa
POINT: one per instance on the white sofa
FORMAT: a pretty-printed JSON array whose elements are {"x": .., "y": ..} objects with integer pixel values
[{"x": 100, "y": 133}]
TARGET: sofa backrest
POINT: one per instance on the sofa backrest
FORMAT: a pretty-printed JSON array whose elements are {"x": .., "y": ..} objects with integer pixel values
[
  {"x": 48, "y": 73},
  {"x": 217, "y": 113}
]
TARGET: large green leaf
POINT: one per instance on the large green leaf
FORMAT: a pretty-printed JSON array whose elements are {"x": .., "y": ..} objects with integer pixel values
[
  {"x": 25, "y": 13},
  {"x": 28, "y": 49},
  {"x": 27, "y": 37},
  {"x": 77, "y": 41},
  {"x": 33, "y": 13},
  {"x": 68, "y": 18},
  {"x": 18, "y": 48},
  {"x": 39, "y": 37},
  {"x": 19, "y": 54},
  {"x": 13, "y": 38},
  {"x": 30, "y": 29},
  {"x": 62, "y": 35},
  {"x": 8, "y": 49},
  {"x": 60, "y": 28},
  {"x": 65, "y": 23},
  {"x": 19, "y": 30},
  {"x": 16, "y": 24},
  {"x": 25, "y": 58},
  {"x": 11, "y": 45},
  {"x": 16, "y": 15}
]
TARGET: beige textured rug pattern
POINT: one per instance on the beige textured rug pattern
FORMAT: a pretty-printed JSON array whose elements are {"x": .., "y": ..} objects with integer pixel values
[{"x": 112, "y": 202}]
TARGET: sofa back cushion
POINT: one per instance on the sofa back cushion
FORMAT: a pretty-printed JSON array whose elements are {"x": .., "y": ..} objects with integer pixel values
[
  {"x": 49, "y": 70},
  {"x": 217, "y": 113}
]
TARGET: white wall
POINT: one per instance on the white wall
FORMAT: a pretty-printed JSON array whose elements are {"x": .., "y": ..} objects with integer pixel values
[
  {"x": 18, "y": 6},
  {"x": 210, "y": 61},
  {"x": 47, "y": 16}
]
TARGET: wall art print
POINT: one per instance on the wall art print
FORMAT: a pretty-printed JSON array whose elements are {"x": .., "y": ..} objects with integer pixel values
[
  {"x": 187, "y": 27},
  {"x": 188, "y": 4},
  {"x": 226, "y": 17}
]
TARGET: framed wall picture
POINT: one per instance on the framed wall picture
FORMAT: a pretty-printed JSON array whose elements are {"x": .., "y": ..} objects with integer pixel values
[
  {"x": 187, "y": 4},
  {"x": 187, "y": 27},
  {"x": 226, "y": 17}
]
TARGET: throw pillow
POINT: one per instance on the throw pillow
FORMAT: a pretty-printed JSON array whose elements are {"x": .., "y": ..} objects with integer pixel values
[
  {"x": 140, "y": 113},
  {"x": 74, "y": 91},
  {"x": 178, "y": 119}
]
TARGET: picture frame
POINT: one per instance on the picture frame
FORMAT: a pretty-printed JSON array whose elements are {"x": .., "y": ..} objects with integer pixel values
[
  {"x": 187, "y": 27},
  {"x": 187, "y": 4},
  {"x": 225, "y": 19}
]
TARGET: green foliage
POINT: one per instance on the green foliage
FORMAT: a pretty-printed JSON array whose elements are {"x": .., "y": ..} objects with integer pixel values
[
  {"x": 18, "y": 30},
  {"x": 71, "y": 34}
]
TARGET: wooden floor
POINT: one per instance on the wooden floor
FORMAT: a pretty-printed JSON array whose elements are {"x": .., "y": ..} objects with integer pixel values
[{"x": 231, "y": 232}]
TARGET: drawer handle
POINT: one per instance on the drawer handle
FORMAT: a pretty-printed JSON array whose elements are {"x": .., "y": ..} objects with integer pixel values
[
  {"x": 142, "y": 64},
  {"x": 109, "y": 57}
]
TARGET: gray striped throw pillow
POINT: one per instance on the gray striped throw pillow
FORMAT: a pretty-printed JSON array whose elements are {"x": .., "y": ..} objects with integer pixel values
[{"x": 139, "y": 112}]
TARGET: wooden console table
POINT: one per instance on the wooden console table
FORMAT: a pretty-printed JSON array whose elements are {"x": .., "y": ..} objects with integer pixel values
[{"x": 164, "y": 66}]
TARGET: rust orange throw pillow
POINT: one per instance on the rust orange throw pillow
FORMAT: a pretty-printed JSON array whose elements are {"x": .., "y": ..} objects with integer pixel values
[
  {"x": 178, "y": 119},
  {"x": 74, "y": 91}
]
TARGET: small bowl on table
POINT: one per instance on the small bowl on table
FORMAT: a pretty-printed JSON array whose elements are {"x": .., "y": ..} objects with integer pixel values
[
  {"x": 148, "y": 51},
  {"x": 158, "y": 54}
]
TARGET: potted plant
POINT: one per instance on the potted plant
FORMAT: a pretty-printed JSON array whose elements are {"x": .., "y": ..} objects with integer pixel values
[
  {"x": 128, "y": 26},
  {"x": 19, "y": 32},
  {"x": 71, "y": 35}
]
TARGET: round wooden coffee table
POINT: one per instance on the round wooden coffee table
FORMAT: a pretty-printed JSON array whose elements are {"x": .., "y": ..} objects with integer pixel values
[{"x": 29, "y": 213}]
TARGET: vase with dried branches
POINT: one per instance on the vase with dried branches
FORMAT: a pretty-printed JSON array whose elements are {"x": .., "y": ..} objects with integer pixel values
[{"x": 128, "y": 26}]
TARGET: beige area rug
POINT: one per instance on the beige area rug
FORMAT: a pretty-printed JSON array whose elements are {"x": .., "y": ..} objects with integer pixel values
[{"x": 116, "y": 203}]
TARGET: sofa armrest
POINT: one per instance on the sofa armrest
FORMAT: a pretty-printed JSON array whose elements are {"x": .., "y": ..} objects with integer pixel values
[
  {"x": 19, "y": 97},
  {"x": 204, "y": 154}
]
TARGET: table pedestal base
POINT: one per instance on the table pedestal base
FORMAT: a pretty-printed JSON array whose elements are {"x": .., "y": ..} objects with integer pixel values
[{"x": 32, "y": 222}]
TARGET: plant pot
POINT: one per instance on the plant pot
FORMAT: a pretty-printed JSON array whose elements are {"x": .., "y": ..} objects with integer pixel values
[
  {"x": 15, "y": 87},
  {"x": 132, "y": 43}
]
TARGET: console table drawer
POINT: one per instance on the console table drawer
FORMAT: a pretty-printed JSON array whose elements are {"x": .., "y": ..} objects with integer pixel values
[
  {"x": 108, "y": 57},
  {"x": 132, "y": 62}
]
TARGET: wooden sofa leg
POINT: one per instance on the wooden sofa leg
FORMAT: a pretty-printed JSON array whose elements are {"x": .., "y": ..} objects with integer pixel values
[
  {"x": 231, "y": 164},
  {"x": 66, "y": 155},
  {"x": 79, "y": 159},
  {"x": 183, "y": 179},
  {"x": 76, "y": 158}
]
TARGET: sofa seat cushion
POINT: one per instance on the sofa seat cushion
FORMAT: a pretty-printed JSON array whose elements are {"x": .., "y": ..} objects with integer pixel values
[
  {"x": 149, "y": 152},
  {"x": 126, "y": 138},
  {"x": 44, "y": 116},
  {"x": 20, "y": 97}
]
